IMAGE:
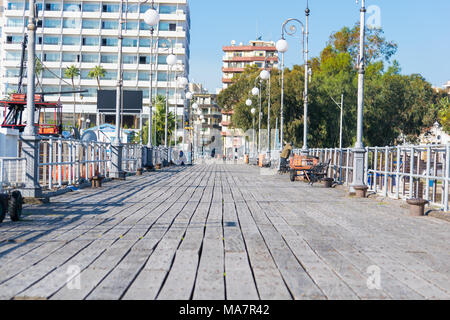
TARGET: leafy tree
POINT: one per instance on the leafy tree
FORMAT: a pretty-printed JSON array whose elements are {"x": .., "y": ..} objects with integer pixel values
[
  {"x": 444, "y": 113},
  {"x": 395, "y": 105},
  {"x": 159, "y": 118}
]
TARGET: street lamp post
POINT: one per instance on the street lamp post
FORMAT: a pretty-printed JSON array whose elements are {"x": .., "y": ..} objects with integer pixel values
[
  {"x": 257, "y": 92},
  {"x": 266, "y": 75},
  {"x": 151, "y": 17},
  {"x": 30, "y": 140},
  {"x": 283, "y": 46},
  {"x": 253, "y": 111},
  {"x": 171, "y": 61},
  {"x": 182, "y": 81},
  {"x": 359, "y": 151},
  {"x": 116, "y": 146}
]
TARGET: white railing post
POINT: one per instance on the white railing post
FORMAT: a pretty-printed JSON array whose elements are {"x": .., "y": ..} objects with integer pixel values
[
  {"x": 59, "y": 162},
  {"x": 386, "y": 169},
  {"x": 50, "y": 160},
  {"x": 427, "y": 189},
  {"x": 411, "y": 172},
  {"x": 447, "y": 176},
  {"x": 397, "y": 173}
]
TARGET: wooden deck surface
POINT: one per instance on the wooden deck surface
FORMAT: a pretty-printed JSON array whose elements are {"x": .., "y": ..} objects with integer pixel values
[{"x": 219, "y": 232}]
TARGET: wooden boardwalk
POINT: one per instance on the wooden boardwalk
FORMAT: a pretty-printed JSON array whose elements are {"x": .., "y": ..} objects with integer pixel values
[{"x": 222, "y": 232}]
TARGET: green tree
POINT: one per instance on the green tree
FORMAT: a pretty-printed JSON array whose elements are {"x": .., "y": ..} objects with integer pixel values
[
  {"x": 444, "y": 113},
  {"x": 97, "y": 73},
  {"x": 159, "y": 118},
  {"x": 72, "y": 72}
]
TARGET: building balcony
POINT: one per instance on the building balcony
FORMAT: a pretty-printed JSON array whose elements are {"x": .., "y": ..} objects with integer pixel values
[
  {"x": 233, "y": 70},
  {"x": 249, "y": 59},
  {"x": 248, "y": 48},
  {"x": 226, "y": 80}
]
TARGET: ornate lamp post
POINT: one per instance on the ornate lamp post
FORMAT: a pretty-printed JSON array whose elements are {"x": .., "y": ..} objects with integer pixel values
[
  {"x": 283, "y": 46},
  {"x": 182, "y": 82},
  {"x": 171, "y": 61},
  {"x": 116, "y": 145},
  {"x": 265, "y": 75},
  {"x": 151, "y": 17},
  {"x": 257, "y": 92},
  {"x": 253, "y": 111},
  {"x": 359, "y": 150},
  {"x": 30, "y": 140}
]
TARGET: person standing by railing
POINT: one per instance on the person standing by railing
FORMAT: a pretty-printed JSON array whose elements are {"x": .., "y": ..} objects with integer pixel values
[{"x": 285, "y": 154}]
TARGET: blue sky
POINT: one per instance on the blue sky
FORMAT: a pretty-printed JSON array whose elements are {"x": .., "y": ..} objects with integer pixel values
[{"x": 420, "y": 28}]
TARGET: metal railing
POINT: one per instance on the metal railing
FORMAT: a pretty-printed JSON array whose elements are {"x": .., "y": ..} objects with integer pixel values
[
  {"x": 131, "y": 157},
  {"x": 12, "y": 172},
  {"x": 67, "y": 162},
  {"x": 401, "y": 172}
]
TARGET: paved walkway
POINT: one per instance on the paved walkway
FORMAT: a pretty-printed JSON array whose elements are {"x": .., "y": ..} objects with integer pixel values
[{"x": 222, "y": 232}]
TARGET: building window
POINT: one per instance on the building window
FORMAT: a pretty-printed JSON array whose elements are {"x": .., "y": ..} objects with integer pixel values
[
  {"x": 16, "y": 5},
  {"x": 52, "y": 40},
  {"x": 71, "y": 40},
  {"x": 162, "y": 76},
  {"x": 52, "y": 56},
  {"x": 90, "y": 41},
  {"x": 14, "y": 39},
  {"x": 110, "y": 7},
  {"x": 132, "y": 8},
  {"x": 91, "y": 7},
  {"x": 71, "y": 23},
  {"x": 130, "y": 42},
  {"x": 13, "y": 55},
  {"x": 144, "y": 59},
  {"x": 109, "y": 42},
  {"x": 52, "y": 7},
  {"x": 89, "y": 57},
  {"x": 144, "y": 76},
  {"x": 70, "y": 57},
  {"x": 15, "y": 22},
  {"x": 168, "y": 9},
  {"x": 144, "y": 26},
  {"x": 144, "y": 43},
  {"x": 130, "y": 25},
  {"x": 129, "y": 75},
  {"x": 166, "y": 26},
  {"x": 91, "y": 24},
  {"x": 12, "y": 73},
  {"x": 110, "y": 75},
  {"x": 108, "y": 58},
  {"x": 72, "y": 6},
  {"x": 51, "y": 74},
  {"x": 110, "y": 24},
  {"x": 129, "y": 59},
  {"x": 52, "y": 23}
]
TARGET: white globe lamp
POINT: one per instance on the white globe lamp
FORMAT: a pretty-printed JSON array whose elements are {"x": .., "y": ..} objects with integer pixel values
[
  {"x": 195, "y": 106},
  {"x": 151, "y": 17},
  {"x": 253, "y": 110},
  {"x": 171, "y": 60},
  {"x": 248, "y": 102},
  {"x": 189, "y": 95},
  {"x": 282, "y": 46},
  {"x": 255, "y": 91},
  {"x": 265, "y": 75}
]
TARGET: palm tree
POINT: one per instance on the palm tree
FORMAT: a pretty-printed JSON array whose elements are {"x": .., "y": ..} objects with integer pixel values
[
  {"x": 72, "y": 72},
  {"x": 96, "y": 73}
]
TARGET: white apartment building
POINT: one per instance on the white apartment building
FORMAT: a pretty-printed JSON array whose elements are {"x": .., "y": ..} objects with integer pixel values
[{"x": 85, "y": 34}]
